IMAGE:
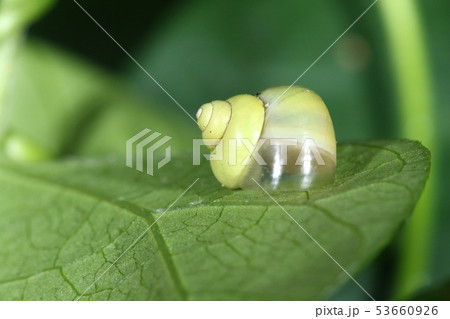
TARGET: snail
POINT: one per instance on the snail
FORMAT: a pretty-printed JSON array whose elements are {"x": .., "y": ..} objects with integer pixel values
[{"x": 282, "y": 139}]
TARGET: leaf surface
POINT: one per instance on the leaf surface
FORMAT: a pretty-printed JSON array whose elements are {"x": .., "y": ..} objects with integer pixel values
[{"x": 62, "y": 224}]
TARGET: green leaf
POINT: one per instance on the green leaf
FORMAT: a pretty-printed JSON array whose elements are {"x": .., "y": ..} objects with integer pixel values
[
  {"x": 62, "y": 224},
  {"x": 15, "y": 15},
  {"x": 63, "y": 106}
]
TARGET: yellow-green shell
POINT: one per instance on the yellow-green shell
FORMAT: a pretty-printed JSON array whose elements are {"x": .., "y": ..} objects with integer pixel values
[
  {"x": 245, "y": 109},
  {"x": 276, "y": 113},
  {"x": 299, "y": 113}
]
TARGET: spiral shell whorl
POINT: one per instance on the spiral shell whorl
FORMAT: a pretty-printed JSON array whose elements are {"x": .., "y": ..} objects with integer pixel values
[
  {"x": 243, "y": 110},
  {"x": 213, "y": 120}
]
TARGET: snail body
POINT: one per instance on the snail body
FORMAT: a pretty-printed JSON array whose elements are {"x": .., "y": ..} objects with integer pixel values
[{"x": 282, "y": 140}]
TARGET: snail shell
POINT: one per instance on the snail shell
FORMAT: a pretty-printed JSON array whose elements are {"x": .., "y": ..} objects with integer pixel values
[{"x": 281, "y": 141}]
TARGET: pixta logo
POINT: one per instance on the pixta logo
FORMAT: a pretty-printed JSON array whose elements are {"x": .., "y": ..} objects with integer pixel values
[{"x": 143, "y": 146}]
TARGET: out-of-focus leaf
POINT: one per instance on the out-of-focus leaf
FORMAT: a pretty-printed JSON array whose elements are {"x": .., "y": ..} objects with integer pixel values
[
  {"x": 17, "y": 14},
  {"x": 64, "y": 106},
  {"x": 214, "y": 243}
]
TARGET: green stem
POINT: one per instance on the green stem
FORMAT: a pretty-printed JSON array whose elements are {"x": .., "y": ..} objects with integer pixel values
[{"x": 412, "y": 77}]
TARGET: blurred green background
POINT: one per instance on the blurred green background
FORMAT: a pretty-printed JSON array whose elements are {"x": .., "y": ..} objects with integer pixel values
[{"x": 385, "y": 78}]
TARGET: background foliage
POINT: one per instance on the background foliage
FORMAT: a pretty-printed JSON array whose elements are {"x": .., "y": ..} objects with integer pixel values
[{"x": 204, "y": 50}]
